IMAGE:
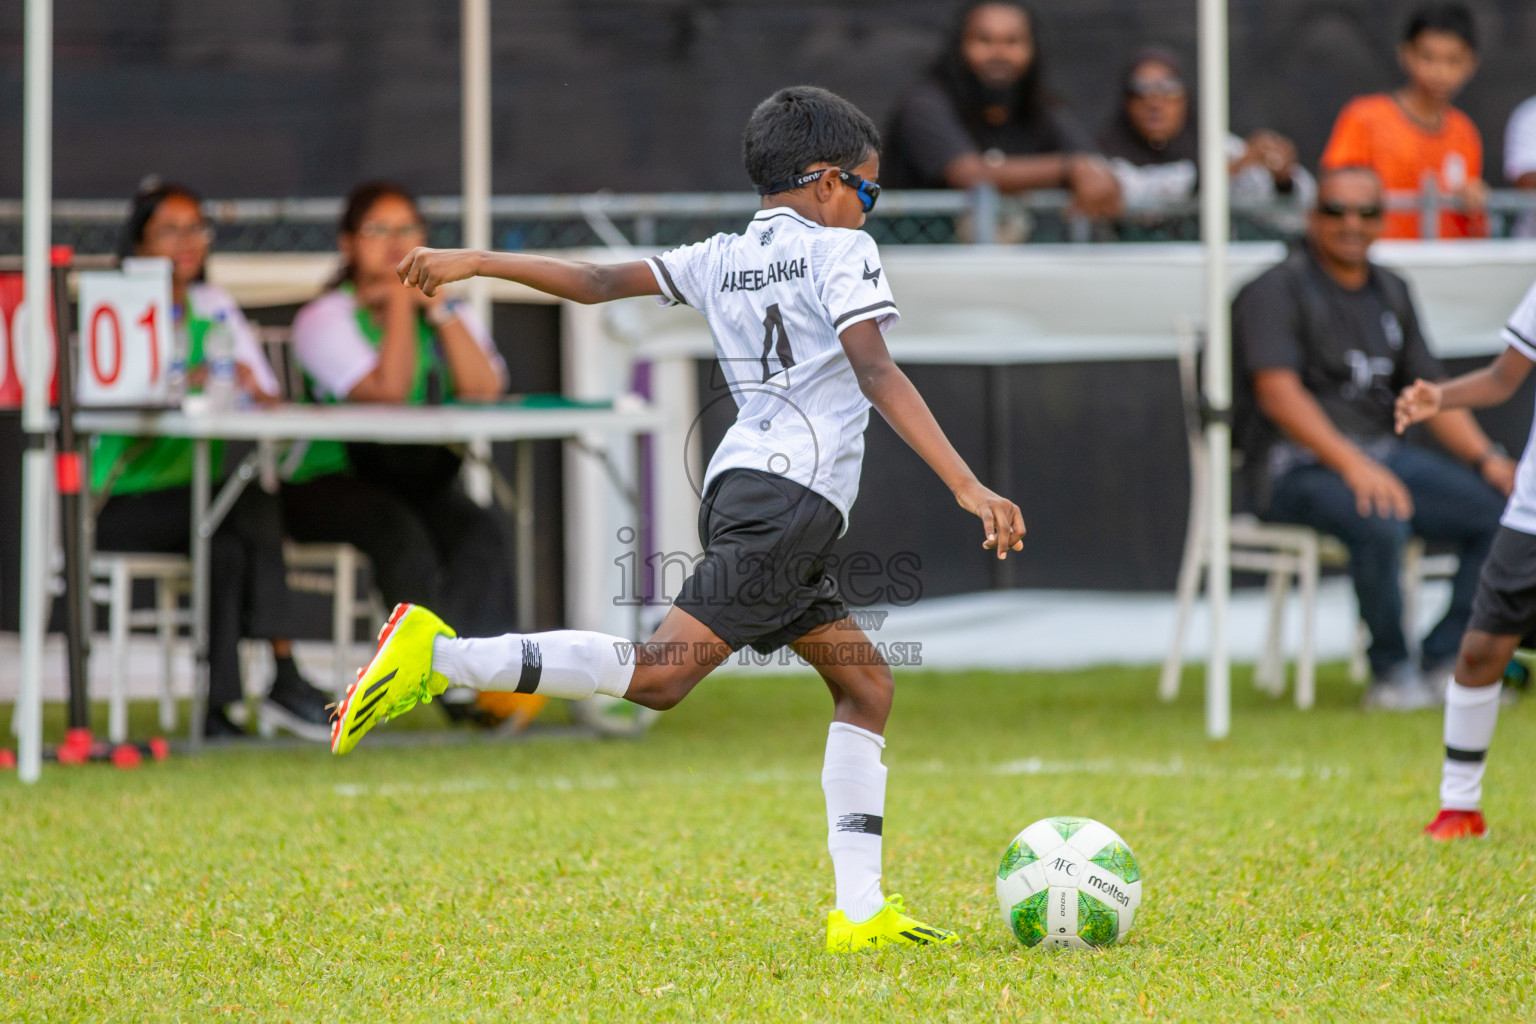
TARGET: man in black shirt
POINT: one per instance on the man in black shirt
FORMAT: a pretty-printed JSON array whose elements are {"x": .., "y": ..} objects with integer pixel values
[
  {"x": 1322, "y": 345},
  {"x": 983, "y": 114}
]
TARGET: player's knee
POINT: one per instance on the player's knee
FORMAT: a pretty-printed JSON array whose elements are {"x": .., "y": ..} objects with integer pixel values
[
  {"x": 657, "y": 699},
  {"x": 660, "y": 688},
  {"x": 1480, "y": 661},
  {"x": 876, "y": 688}
]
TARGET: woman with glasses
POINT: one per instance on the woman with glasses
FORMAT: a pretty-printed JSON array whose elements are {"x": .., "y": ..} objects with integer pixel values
[
  {"x": 146, "y": 481},
  {"x": 371, "y": 339},
  {"x": 1152, "y": 146}
]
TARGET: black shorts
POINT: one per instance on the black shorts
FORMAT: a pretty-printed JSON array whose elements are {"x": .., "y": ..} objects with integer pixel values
[
  {"x": 763, "y": 580},
  {"x": 1505, "y": 604}
]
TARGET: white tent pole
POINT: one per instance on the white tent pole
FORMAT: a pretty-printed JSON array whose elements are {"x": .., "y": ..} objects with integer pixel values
[
  {"x": 475, "y": 156},
  {"x": 1215, "y": 227},
  {"x": 37, "y": 193},
  {"x": 476, "y": 85}
]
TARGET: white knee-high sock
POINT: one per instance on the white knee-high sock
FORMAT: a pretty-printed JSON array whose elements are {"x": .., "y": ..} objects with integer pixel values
[
  {"x": 568, "y": 663},
  {"x": 1470, "y": 715},
  {"x": 853, "y": 780}
]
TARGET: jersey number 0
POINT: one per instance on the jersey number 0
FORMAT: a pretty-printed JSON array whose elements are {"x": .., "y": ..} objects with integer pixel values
[{"x": 776, "y": 341}]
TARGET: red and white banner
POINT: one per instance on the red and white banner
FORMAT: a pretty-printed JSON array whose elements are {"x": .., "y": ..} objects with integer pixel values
[{"x": 13, "y": 345}]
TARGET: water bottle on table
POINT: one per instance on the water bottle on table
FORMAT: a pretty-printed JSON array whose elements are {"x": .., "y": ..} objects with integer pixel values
[{"x": 219, "y": 349}]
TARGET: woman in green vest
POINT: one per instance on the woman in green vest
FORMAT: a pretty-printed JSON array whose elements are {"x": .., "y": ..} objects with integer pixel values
[
  {"x": 146, "y": 482},
  {"x": 371, "y": 339}
]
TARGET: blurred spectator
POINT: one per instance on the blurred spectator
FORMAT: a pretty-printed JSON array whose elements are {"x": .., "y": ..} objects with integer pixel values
[
  {"x": 1413, "y": 133},
  {"x": 1322, "y": 344},
  {"x": 1520, "y": 158},
  {"x": 983, "y": 114},
  {"x": 371, "y": 339},
  {"x": 1153, "y": 145},
  {"x": 146, "y": 483}
]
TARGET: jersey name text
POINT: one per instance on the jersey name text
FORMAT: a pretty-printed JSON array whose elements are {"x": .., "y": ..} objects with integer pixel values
[{"x": 753, "y": 280}]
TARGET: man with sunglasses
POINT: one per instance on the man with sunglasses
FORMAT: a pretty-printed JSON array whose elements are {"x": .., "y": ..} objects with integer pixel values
[{"x": 1322, "y": 343}]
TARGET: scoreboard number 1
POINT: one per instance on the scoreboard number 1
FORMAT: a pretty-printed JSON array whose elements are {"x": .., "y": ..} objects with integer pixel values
[{"x": 124, "y": 319}]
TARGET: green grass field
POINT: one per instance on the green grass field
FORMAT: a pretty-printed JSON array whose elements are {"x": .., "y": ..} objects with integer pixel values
[{"x": 685, "y": 876}]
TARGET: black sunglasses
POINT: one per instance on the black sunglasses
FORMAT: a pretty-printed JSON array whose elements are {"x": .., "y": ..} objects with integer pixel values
[
  {"x": 868, "y": 190},
  {"x": 1341, "y": 210}
]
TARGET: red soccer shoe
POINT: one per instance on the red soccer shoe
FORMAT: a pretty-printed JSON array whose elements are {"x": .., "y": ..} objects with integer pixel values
[{"x": 1449, "y": 824}]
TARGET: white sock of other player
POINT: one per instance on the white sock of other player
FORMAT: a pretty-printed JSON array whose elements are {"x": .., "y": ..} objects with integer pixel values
[
  {"x": 568, "y": 663},
  {"x": 853, "y": 780},
  {"x": 1470, "y": 715}
]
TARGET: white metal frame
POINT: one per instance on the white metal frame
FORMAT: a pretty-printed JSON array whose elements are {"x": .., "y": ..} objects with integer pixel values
[
  {"x": 1215, "y": 229},
  {"x": 37, "y": 195}
]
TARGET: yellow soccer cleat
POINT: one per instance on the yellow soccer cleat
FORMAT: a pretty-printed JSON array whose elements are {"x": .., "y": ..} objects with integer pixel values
[
  {"x": 890, "y": 927},
  {"x": 399, "y": 675}
]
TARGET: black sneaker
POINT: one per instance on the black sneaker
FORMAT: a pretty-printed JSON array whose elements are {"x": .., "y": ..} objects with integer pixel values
[
  {"x": 294, "y": 706},
  {"x": 459, "y": 706},
  {"x": 217, "y": 727}
]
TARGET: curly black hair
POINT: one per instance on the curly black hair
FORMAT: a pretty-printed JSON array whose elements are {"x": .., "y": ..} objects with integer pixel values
[{"x": 803, "y": 125}]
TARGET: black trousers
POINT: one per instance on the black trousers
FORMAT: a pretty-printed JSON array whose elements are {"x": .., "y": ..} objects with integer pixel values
[
  {"x": 248, "y": 593},
  {"x": 433, "y": 546}
]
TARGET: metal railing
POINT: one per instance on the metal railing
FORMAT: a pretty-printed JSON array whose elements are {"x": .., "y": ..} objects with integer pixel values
[{"x": 979, "y": 216}]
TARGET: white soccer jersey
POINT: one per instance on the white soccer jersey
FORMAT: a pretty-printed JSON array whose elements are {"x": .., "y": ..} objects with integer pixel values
[
  {"x": 776, "y": 298},
  {"x": 1520, "y": 334}
]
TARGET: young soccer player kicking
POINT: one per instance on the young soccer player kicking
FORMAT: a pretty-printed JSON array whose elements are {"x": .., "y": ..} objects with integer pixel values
[
  {"x": 1504, "y": 609},
  {"x": 798, "y": 305}
]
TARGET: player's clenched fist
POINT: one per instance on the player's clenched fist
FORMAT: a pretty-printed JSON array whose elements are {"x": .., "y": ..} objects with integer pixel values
[
  {"x": 430, "y": 269},
  {"x": 1418, "y": 402}
]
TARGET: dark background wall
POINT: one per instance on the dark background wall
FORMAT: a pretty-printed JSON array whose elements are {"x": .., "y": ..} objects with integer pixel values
[{"x": 306, "y": 97}]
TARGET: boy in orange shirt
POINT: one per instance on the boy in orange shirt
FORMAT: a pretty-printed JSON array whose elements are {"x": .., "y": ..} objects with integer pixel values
[{"x": 1413, "y": 131}]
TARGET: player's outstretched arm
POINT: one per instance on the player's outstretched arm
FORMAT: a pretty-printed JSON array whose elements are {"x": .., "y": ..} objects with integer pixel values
[
  {"x": 430, "y": 269},
  {"x": 889, "y": 390},
  {"x": 1494, "y": 384}
]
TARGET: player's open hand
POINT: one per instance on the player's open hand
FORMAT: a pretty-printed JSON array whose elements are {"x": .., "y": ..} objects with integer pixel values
[
  {"x": 1418, "y": 402},
  {"x": 1002, "y": 519},
  {"x": 430, "y": 269}
]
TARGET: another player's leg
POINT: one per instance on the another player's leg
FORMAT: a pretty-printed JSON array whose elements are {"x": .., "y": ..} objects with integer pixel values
[
  {"x": 853, "y": 780},
  {"x": 1471, "y": 711},
  {"x": 419, "y": 657}
]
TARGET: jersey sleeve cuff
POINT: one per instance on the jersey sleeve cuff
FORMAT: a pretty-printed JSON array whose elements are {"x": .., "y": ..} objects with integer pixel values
[
  {"x": 670, "y": 295},
  {"x": 885, "y": 311},
  {"x": 1519, "y": 342}
]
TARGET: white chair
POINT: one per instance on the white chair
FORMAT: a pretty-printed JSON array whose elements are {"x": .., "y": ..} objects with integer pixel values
[
  {"x": 312, "y": 568},
  {"x": 333, "y": 569},
  {"x": 112, "y": 579},
  {"x": 1283, "y": 552}
]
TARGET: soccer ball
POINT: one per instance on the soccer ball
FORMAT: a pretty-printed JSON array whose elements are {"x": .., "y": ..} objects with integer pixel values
[{"x": 1068, "y": 882}]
